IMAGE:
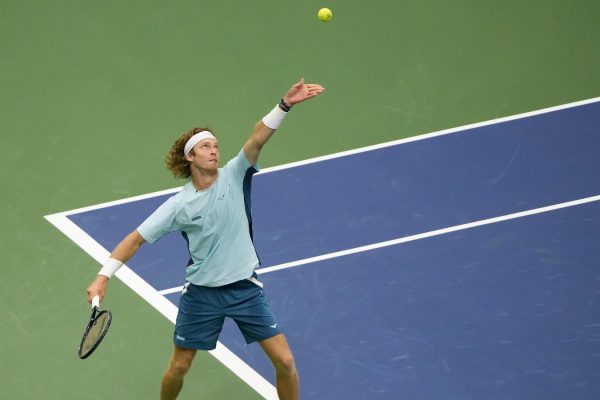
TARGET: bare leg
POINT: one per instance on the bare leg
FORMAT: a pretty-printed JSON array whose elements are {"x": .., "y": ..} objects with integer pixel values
[
  {"x": 172, "y": 381},
  {"x": 278, "y": 351}
]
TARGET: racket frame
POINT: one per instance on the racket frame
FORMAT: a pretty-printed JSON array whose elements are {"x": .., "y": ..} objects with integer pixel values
[{"x": 96, "y": 314}]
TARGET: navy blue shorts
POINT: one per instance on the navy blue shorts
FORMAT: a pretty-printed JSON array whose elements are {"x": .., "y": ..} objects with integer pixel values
[{"x": 202, "y": 311}]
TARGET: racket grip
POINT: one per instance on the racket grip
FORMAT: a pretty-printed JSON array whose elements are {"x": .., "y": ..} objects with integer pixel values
[{"x": 96, "y": 301}]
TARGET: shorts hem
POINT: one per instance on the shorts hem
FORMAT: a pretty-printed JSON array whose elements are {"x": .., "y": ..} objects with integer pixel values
[
  {"x": 192, "y": 346},
  {"x": 261, "y": 338}
]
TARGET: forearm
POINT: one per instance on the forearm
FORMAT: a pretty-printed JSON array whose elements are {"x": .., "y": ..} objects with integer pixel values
[
  {"x": 264, "y": 129},
  {"x": 127, "y": 247},
  {"x": 123, "y": 252},
  {"x": 259, "y": 137}
]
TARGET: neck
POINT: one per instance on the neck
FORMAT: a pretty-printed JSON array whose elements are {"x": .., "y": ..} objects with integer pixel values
[{"x": 203, "y": 179}]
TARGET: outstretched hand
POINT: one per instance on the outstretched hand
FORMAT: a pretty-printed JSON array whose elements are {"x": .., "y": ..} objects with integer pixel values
[{"x": 302, "y": 91}]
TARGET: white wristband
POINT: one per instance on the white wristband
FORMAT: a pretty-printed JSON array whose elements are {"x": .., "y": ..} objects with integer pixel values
[
  {"x": 110, "y": 267},
  {"x": 274, "y": 118}
]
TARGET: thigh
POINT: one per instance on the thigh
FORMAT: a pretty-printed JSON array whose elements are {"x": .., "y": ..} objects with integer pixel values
[
  {"x": 277, "y": 349},
  {"x": 199, "y": 320},
  {"x": 252, "y": 312}
]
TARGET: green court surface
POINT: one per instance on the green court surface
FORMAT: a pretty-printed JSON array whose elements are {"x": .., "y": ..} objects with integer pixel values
[{"x": 94, "y": 93}]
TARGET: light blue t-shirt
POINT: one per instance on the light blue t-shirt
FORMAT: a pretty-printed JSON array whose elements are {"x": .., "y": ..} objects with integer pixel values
[{"x": 214, "y": 223}]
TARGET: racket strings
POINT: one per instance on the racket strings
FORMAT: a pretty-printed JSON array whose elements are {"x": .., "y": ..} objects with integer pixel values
[{"x": 95, "y": 333}]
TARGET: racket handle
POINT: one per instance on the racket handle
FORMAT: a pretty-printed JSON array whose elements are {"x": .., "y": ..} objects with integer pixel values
[{"x": 96, "y": 301}]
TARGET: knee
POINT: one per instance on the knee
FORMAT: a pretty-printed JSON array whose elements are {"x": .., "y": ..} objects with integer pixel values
[
  {"x": 285, "y": 365},
  {"x": 180, "y": 367}
]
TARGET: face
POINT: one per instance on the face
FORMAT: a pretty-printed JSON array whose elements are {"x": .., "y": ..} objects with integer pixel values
[{"x": 207, "y": 155}]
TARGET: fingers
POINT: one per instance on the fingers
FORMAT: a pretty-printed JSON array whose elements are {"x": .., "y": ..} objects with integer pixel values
[
  {"x": 315, "y": 88},
  {"x": 97, "y": 288},
  {"x": 92, "y": 294},
  {"x": 309, "y": 86},
  {"x": 302, "y": 91},
  {"x": 96, "y": 297}
]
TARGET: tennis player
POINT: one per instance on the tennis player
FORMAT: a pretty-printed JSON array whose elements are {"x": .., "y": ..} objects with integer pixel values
[{"x": 212, "y": 212}]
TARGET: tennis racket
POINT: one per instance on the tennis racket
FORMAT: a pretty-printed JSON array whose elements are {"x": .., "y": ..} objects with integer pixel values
[{"x": 95, "y": 330}]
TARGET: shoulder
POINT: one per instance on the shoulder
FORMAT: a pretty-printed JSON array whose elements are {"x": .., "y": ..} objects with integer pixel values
[
  {"x": 180, "y": 196},
  {"x": 238, "y": 165},
  {"x": 185, "y": 190}
]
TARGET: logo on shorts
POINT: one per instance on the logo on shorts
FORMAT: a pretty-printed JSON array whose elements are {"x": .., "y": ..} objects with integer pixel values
[
  {"x": 196, "y": 218},
  {"x": 180, "y": 338},
  {"x": 274, "y": 325}
]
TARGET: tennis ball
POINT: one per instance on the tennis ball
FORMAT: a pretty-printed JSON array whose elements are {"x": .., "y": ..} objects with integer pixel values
[{"x": 325, "y": 14}]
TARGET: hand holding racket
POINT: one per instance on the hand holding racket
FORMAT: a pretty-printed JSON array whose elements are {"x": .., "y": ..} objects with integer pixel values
[{"x": 95, "y": 330}]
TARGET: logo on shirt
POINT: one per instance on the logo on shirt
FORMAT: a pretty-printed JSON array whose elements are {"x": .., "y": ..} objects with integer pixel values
[
  {"x": 196, "y": 218},
  {"x": 221, "y": 197}
]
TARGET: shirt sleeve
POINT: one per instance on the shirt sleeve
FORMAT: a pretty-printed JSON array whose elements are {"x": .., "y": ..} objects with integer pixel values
[
  {"x": 239, "y": 165},
  {"x": 160, "y": 222}
]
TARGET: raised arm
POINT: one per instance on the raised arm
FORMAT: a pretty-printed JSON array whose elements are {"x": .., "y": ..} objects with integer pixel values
[
  {"x": 123, "y": 252},
  {"x": 264, "y": 129}
]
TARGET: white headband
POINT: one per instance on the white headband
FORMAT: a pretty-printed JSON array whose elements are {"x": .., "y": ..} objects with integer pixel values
[{"x": 195, "y": 139}]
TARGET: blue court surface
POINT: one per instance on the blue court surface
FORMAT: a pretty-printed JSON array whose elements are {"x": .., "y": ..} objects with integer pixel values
[{"x": 458, "y": 265}]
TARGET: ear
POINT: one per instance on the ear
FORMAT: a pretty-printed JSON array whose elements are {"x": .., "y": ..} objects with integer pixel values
[{"x": 189, "y": 157}]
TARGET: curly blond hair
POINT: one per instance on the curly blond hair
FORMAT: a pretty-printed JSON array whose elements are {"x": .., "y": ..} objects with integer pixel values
[{"x": 175, "y": 160}]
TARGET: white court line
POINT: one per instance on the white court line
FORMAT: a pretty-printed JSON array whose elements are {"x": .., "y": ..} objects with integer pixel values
[
  {"x": 160, "y": 303},
  {"x": 432, "y": 135},
  {"x": 429, "y": 234},
  {"x": 349, "y": 152},
  {"x": 412, "y": 238},
  {"x": 171, "y": 290},
  {"x": 157, "y": 300}
]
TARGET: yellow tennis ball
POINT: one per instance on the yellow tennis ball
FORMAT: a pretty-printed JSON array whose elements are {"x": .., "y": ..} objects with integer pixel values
[{"x": 325, "y": 14}]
